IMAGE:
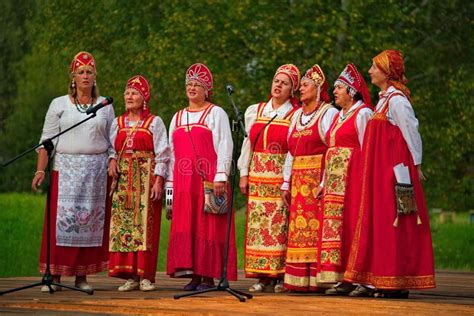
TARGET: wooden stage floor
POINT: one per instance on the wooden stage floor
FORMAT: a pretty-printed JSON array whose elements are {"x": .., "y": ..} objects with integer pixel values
[{"x": 454, "y": 295}]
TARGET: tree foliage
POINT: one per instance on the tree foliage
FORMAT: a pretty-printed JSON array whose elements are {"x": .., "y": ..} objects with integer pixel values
[{"x": 243, "y": 42}]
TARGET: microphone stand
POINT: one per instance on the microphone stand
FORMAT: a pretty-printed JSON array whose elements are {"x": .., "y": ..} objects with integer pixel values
[
  {"x": 47, "y": 278},
  {"x": 223, "y": 284}
]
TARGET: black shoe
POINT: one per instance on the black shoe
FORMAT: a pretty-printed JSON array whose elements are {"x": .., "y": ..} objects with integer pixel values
[
  {"x": 340, "y": 288},
  {"x": 362, "y": 291},
  {"x": 392, "y": 294}
]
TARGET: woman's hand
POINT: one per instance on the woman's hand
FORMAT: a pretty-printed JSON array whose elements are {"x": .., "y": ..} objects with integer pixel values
[
  {"x": 37, "y": 180},
  {"x": 113, "y": 168},
  {"x": 219, "y": 188},
  {"x": 319, "y": 190},
  {"x": 244, "y": 184},
  {"x": 157, "y": 189},
  {"x": 286, "y": 196},
  {"x": 421, "y": 176}
]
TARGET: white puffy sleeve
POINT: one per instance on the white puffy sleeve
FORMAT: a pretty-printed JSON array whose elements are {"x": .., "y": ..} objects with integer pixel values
[
  {"x": 404, "y": 117},
  {"x": 160, "y": 146},
  {"x": 112, "y": 136},
  {"x": 245, "y": 153},
  {"x": 223, "y": 144},
  {"x": 362, "y": 119},
  {"x": 51, "y": 121}
]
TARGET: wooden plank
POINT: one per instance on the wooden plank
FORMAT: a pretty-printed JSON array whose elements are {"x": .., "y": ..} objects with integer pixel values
[{"x": 454, "y": 294}]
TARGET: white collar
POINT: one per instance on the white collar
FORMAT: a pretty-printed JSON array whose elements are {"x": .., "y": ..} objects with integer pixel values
[{"x": 281, "y": 112}]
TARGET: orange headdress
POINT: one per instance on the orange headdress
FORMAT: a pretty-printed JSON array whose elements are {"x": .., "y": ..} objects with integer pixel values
[{"x": 390, "y": 62}]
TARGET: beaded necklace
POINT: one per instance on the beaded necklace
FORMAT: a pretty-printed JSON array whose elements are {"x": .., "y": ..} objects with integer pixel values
[
  {"x": 311, "y": 116},
  {"x": 82, "y": 108}
]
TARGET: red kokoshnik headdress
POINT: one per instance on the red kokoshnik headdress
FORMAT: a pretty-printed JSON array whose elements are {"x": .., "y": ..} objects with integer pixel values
[
  {"x": 316, "y": 74},
  {"x": 352, "y": 79},
  {"x": 139, "y": 83},
  {"x": 82, "y": 59},
  {"x": 291, "y": 71},
  {"x": 201, "y": 73}
]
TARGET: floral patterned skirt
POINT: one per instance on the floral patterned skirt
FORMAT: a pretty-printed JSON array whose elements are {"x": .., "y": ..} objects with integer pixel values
[
  {"x": 267, "y": 218},
  {"x": 304, "y": 224},
  {"x": 335, "y": 220}
]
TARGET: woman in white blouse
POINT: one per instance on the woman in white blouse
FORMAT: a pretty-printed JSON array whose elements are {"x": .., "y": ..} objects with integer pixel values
[
  {"x": 201, "y": 146},
  {"x": 138, "y": 164},
  {"x": 392, "y": 249},
  {"x": 79, "y": 239},
  {"x": 261, "y": 175}
]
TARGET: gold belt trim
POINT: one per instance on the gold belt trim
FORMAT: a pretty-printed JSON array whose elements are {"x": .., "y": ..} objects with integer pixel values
[
  {"x": 137, "y": 154},
  {"x": 307, "y": 162}
]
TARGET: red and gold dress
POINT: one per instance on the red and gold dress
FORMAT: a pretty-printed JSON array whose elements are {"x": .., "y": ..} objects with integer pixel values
[
  {"x": 307, "y": 145},
  {"x": 267, "y": 218},
  {"x": 340, "y": 196},
  {"x": 383, "y": 255},
  {"x": 135, "y": 218}
]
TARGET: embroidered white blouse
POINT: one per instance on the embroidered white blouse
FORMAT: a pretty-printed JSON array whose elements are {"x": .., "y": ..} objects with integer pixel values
[
  {"x": 250, "y": 118},
  {"x": 400, "y": 113},
  {"x": 218, "y": 122},
  {"x": 92, "y": 137},
  {"x": 160, "y": 144}
]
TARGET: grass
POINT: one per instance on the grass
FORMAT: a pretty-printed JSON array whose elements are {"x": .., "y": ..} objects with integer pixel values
[
  {"x": 21, "y": 226},
  {"x": 453, "y": 243}
]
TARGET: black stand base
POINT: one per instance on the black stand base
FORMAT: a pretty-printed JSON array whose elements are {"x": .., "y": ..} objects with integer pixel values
[
  {"x": 48, "y": 281},
  {"x": 222, "y": 286}
]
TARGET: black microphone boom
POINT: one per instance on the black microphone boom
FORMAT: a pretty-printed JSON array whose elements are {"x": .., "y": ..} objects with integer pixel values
[{"x": 98, "y": 106}]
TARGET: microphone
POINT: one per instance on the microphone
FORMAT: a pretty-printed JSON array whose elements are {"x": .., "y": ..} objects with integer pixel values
[
  {"x": 229, "y": 89},
  {"x": 98, "y": 106}
]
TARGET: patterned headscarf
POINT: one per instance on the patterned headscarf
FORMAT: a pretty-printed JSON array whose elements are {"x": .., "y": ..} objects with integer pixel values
[
  {"x": 291, "y": 71},
  {"x": 316, "y": 75},
  {"x": 351, "y": 78},
  {"x": 390, "y": 62},
  {"x": 82, "y": 59}
]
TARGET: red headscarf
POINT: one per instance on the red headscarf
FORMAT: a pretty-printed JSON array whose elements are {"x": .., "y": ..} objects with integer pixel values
[
  {"x": 352, "y": 79},
  {"x": 82, "y": 59},
  {"x": 140, "y": 84},
  {"x": 390, "y": 62},
  {"x": 316, "y": 74}
]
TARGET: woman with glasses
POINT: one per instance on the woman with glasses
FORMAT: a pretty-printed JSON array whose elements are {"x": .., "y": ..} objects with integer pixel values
[{"x": 201, "y": 145}]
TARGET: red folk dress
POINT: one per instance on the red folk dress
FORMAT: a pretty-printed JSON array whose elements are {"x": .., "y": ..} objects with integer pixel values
[
  {"x": 383, "y": 255},
  {"x": 267, "y": 218},
  {"x": 197, "y": 239},
  {"x": 135, "y": 218},
  {"x": 308, "y": 146},
  {"x": 340, "y": 196}
]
